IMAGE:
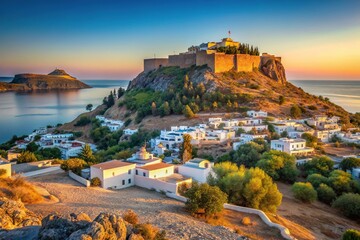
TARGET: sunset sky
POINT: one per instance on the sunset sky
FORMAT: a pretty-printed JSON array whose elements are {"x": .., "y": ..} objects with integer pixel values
[{"x": 109, "y": 39}]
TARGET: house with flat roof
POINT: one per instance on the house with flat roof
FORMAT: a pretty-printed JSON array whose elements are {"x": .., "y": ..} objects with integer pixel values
[
  {"x": 142, "y": 157},
  {"x": 114, "y": 174},
  {"x": 291, "y": 146},
  {"x": 198, "y": 169}
]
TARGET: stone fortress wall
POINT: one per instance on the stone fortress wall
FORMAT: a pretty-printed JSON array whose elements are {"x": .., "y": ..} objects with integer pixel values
[{"x": 217, "y": 61}]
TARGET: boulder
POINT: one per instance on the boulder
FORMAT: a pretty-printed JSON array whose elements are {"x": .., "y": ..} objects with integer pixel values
[
  {"x": 13, "y": 214},
  {"x": 134, "y": 236},
  {"x": 274, "y": 70}
]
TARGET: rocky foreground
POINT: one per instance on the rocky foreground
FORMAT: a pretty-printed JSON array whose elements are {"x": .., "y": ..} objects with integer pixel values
[{"x": 58, "y": 79}]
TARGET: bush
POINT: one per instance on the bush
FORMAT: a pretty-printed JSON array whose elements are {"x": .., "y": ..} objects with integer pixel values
[
  {"x": 316, "y": 179},
  {"x": 95, "y": 182},
  {"x": 74, "y": 164},
  {"x": 83, "y": 121},
  {"x": 205, "y": 198},
  {"x": 149, "y": 232},
  {"x": 326, "y": 194},
  {"x": 304, "y": 192},
  {"x": 322, "y": 165},
  {"x": 349, "y": 163},
  {"x": 2, "y": 173},
  {"x": 26, "y": 157},
  {"x": 351, "y": 234},
  {"x": 349, "y": 204},
  {"x": 131, "y": 217},
  {"x": 340, "y": 181},
  {"x": 246, "y": 221}
]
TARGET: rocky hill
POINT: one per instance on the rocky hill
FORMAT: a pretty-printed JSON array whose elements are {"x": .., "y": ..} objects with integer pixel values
[
  {"x": 265, "y": 88},
  {"x": 58, "y": 79}
]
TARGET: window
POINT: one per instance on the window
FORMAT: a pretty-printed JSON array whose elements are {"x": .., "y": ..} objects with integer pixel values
[
  {"x": 123, "y": 182},
  {"x": 129, "y": 171},
  {"x": 136, "y": 172},
  {"x": 129, "y": 181},
  {"x": 144, "y": 174}
]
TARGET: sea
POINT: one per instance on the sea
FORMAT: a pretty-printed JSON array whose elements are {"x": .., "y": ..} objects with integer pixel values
[{"x": 21, "y": 113}]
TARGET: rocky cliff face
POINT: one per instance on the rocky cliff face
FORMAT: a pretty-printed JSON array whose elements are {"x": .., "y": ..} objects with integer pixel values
[
  {"x": 58, "y": 79},
  {"x": 274, "y": 70}
]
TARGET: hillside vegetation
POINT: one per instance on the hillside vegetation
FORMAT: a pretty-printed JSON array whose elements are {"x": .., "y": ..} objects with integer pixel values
[{"x": 172, "y": 90}]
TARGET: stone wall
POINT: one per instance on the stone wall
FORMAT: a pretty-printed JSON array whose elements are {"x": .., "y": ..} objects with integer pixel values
[
  {"x": 182, "y": 60},
  {"x": 155, "y": 63},
  {"x": 246, "y": 62},
  {"x": 202, "y": 58},
  {"x": 224, "y": 62}
]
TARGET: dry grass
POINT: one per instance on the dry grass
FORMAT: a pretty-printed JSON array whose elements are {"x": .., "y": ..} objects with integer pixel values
[
  {"x": 18, "y": 188},
  {"x": 131, "y": 217}
]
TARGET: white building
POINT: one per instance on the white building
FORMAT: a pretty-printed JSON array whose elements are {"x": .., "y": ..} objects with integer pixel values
[
  {"x": 198, "y": 169},
  {"x": 326, "y": 135},
  {"x": 159, "y": 149},
  {"x": 291, "y": 146},
  {"x": 256, "y": 114},
  {"x": 246, "y": 138},
  {"x": 112, "y": 124},
  {"x": 129, "y": 131},
  {"x": 71, "y": 149},
  {"x": 114, "y": 174},
  {"x": 142, "y": 158}
]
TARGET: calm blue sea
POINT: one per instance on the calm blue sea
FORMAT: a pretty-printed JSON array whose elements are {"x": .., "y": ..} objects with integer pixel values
[
  {"x": 21, "y": 113},
  {"x": 343, "y": 93}
]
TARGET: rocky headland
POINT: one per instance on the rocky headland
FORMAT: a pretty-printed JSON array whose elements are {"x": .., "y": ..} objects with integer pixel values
[{"x": 57, "y": 79}]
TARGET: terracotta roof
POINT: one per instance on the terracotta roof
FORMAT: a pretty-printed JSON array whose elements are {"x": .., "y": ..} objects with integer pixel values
[
  {"x": 156, "y": 166},
  {"x": 112, "y": 164}
]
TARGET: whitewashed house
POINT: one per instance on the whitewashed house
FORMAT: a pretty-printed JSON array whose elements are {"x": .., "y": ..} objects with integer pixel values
[
  {"x": 291, "y": 146},
  {"x": 142, "y": 158},
  {"x": 159, "y": 149},
  {"x": 198, "y": 169},
  {"x": 129, "y": 131},
  {"x": 256, "y": 114},
  {"x": 114, "y": 174},
  {"x": 112, "y": 124},
  {"x": 246, "y": 138}
]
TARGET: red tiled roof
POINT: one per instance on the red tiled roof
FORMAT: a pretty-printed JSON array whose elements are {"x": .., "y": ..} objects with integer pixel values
[
  {"x": 112, "y": 164},
  {"x": 156, "y": 166}
]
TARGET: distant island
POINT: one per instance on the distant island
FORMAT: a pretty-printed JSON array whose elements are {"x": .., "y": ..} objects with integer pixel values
[{"x": 57, "y": 79}]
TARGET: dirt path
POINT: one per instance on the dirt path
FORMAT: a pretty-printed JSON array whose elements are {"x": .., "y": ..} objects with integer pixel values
[
  {"x": 319, "y": 220},
  {"x": 151, "y": 207}
]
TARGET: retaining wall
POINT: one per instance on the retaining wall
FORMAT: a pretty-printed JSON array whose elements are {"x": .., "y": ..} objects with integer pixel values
[
  {"x": 79, "y": 179},
  {"x": 285, "y": 233},
  {"x": 39, "y": 172}
]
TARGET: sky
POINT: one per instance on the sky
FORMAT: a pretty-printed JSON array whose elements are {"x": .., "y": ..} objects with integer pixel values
[{"x": 106, "y": 39}]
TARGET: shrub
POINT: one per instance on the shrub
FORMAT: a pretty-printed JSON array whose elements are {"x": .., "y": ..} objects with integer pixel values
[
  {"x": 205, "y": 198},
  {"x": 2, "y": 173},
  {"x": 149, "y": 232},
  {"x": 322, "y": 165},
  {"x": 351, "y": 234},
  {"x": 325, "y": 193},
  {"x": 74, "y": 164},
  {"x": 295, "y": 111},
  {"x": 316, "y": 179},
  {"x": 131, "y": 217},
  {"x": 95, "y": 182},
  {"x": 349, "y": 163},
  {"x": 17, "y": 188},
  {"x": 340, "y": 181},
  {"x": 304, "y": 192},
  {"x": 26, "y": 156},
  {"x": 246, "y": 221},
  {"x": 83, "y": 121},
  {"x": 349, "y": 204}
]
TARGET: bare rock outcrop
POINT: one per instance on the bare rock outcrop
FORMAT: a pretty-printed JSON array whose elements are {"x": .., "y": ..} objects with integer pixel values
[
  {"x": 274, "y": 70},
  {"x": 13, "y": 214}
]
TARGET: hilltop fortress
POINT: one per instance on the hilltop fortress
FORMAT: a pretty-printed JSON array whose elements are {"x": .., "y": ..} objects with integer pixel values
[{"x": 214, "y": 55}]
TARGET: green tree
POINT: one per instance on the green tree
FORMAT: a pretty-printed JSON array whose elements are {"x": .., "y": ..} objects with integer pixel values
[
  {"x": 26, "y": 156},
  {"x": 304, "y": 192},
  {"x": 341, "y": 181},
  {"x": 86, "y": 154},
  {"x": 166, "y": 108},
  {"x": 349, "y": 204},
  {"x": 311, "y": 140},
  {"x": 89, "y": 107},
  {"x": 322, "y": 165},
  {"x": 32, "y": 147},
  {"x": 351, "y": 234},
  {"x": 186, "y": 148},
  {"x": 188, "y": 112},
  {"x": 204, "y": 197},
  {"x": 250, "y": 153},
  {"x": 279, "y": 165},
  {"x": 349, "y": 163},
  {"x": 316, "y": 179},
  {"x": 295, "y": 111},
  {"x": 74, "y": 164},
  {"x": 110, "y": 100},
  {"x": 325, "y": 193},
  {"x": 153, "y": 109}
]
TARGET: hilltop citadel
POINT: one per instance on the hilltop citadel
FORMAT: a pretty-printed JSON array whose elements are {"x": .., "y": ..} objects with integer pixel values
[{"x": 218, "y": 61}]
